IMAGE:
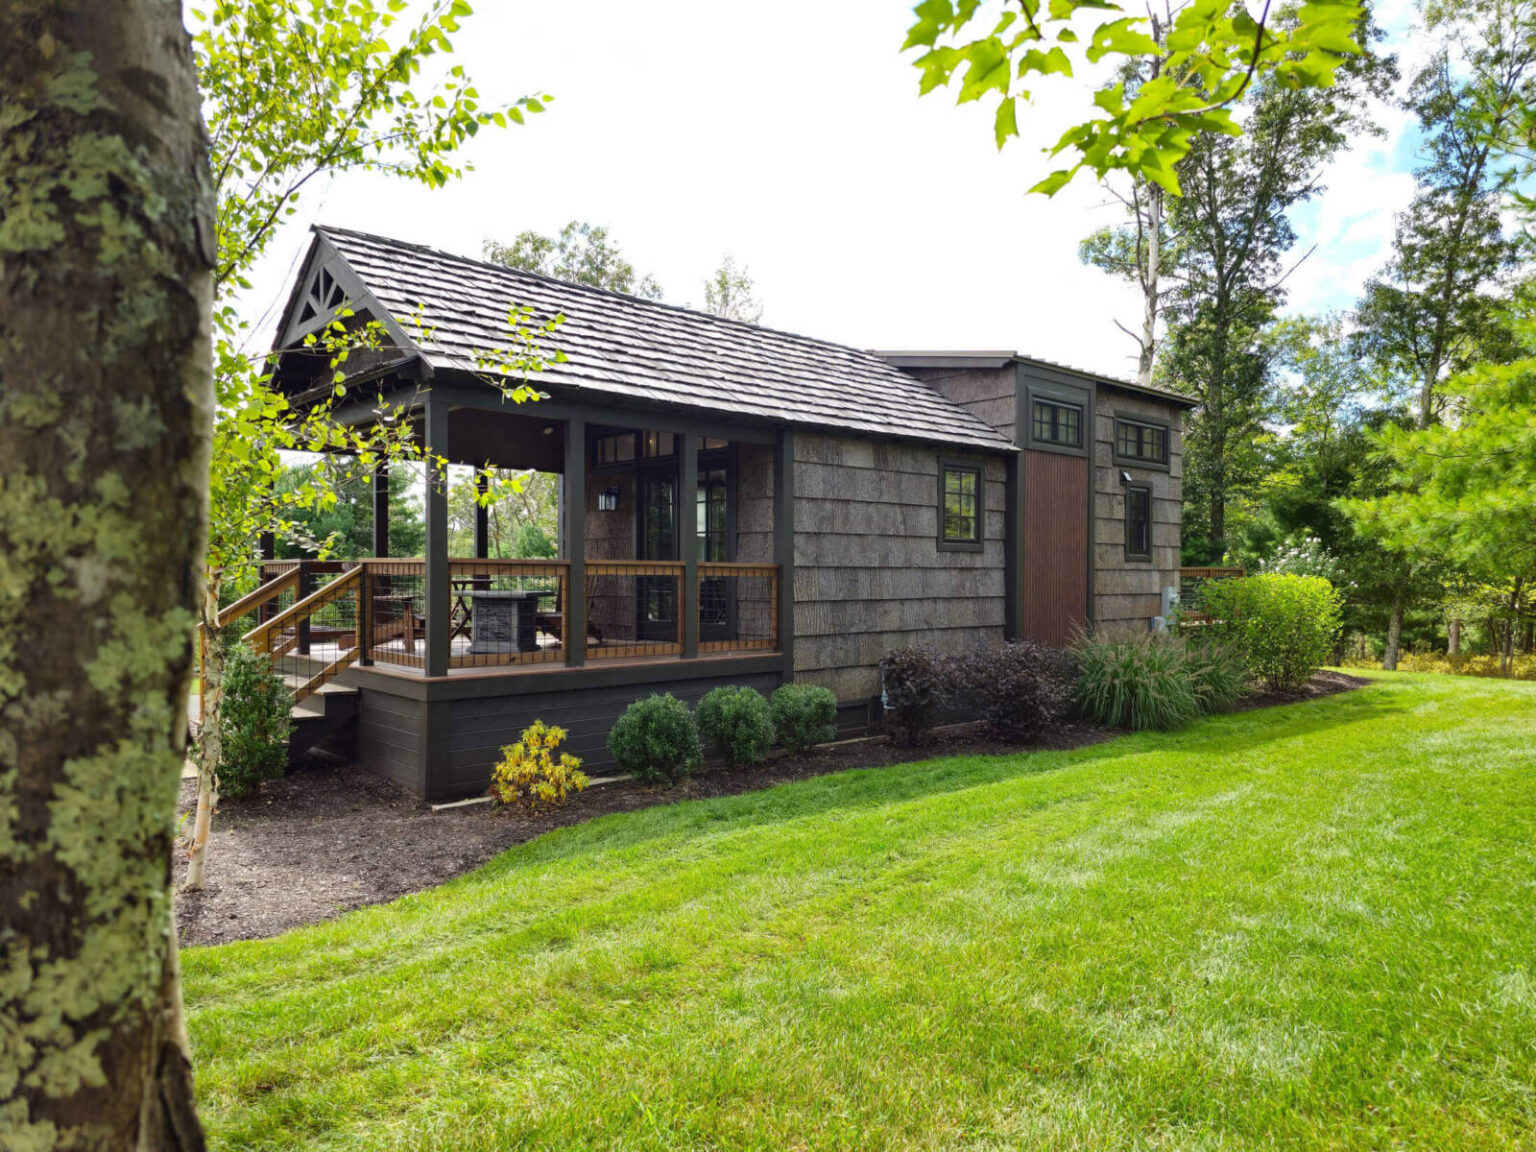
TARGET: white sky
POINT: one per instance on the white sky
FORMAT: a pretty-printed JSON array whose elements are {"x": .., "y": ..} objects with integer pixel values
[{"x": 791, "y": 135}]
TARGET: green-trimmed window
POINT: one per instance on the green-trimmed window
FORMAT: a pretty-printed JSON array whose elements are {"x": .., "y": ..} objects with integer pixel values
[
  {"x": 1137, "y": 441},
  {"x": 1057, "y": 423},
  {"x": 960, "y": 505},
  {"x": 1138, "y": 523}
]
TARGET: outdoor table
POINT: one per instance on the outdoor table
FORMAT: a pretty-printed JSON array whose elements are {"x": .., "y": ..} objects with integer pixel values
[{"x": 504, "y": 621}]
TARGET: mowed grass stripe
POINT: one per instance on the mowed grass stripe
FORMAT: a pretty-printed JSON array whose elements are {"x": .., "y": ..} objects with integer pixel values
[{"x": 1310, "y": 927}]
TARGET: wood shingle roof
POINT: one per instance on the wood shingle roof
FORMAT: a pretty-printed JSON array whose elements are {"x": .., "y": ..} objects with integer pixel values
[{"x": 642, "y": 350}]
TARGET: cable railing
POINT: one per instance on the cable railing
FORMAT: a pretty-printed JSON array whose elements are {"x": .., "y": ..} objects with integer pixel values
[
  {"x": 506, "y": 612},
  {"x": 312, "y": 619},
  {"x": 313, "y": 641},
  {"x": 636, "y": 607},
  {"x": 738, "y": 607}
]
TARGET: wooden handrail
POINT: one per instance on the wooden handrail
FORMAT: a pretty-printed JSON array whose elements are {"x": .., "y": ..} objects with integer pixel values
[
  {"x": 253, "y": 600},
  {"x": 304, "y": 607},
  {"x": 635, "y": 567}
]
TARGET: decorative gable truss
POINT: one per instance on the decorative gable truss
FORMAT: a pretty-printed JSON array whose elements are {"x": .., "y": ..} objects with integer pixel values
[
  {"x": 327, "y": 288},
  {"x": 323, "y": 298}
]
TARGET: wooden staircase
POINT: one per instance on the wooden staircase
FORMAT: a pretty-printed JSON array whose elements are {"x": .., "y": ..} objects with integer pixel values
[
  {"x": 326, "y": 719},
  {"x": 324, "y": 712}
]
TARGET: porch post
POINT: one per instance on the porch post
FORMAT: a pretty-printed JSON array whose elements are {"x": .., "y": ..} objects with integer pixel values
[
  {"x": 482, "y": 518},
  {"x": 688, "y": 540},
  {"x": 575, "y": 525},
  {"x": 381, "y": 508},
  {"x": 1013, "y": 549},
  {"x": 784, "y": 545},
  {"x": 439, "y": 595}
]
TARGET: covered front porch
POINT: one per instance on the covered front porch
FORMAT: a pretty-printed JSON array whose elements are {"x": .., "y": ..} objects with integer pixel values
[{"x": 672, "y": 546}]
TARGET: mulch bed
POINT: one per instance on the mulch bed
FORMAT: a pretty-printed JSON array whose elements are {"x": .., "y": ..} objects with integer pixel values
[{"x": 331, "y": 837}]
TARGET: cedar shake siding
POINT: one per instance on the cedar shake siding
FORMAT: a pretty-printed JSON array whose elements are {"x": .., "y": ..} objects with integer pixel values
[
  {"x": 1128, "y": 592},
  {"x": 1120, "y": 592},
  {"x": 989, "y": 394},
  {"x": 869, "y": 575}
]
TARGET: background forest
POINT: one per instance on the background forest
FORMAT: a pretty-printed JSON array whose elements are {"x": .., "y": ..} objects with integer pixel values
[{"x": 1381, "y": 446}]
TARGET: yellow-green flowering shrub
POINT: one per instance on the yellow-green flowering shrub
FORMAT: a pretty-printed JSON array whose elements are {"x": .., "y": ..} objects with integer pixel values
[{"x": 529, "y": 774}]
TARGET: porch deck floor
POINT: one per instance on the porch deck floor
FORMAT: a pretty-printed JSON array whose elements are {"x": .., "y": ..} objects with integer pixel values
[{"x": 608, "y": 654}]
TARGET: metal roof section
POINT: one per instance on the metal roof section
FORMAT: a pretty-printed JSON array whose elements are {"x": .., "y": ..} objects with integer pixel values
[{"x": 455, "y": 310}]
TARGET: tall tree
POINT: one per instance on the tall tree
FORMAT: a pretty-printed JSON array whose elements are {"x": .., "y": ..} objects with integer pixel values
[
  {"x": 1233, "y": 222},
  {"x": 1470, "y": 485},
  {"x": 106, "y": 254},
  {"x": 1142, "y": 252},
  {"x": 345, "y": 529},
  {"x": 728, "y": 293},
  {"x": 297, "y": 90},
  {"x": 1430, "y": 313},
  {"x": 523, "y": 525},
  {"x": 582, "y": 253}
]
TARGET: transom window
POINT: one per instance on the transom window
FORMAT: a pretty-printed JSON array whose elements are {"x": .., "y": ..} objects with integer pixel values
[
  {"x": 1138, "y": 523},
  {"x": 1056, "y": 423},
  {"x": 621, "y": 447},
  {"x": 1137, "y": 441},
  {"x": 960, "y": 506}
]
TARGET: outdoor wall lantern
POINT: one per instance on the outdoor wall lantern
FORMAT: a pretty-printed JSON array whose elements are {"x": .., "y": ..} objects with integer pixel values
[{"x": 608, "y": 500}]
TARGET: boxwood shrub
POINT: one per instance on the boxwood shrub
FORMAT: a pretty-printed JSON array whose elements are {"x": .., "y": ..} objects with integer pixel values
[
  {"x": 1282, "y": 626},
  {"x": 804, "y": 715},
  {"x": 736, "y": 720},
  {"x": 656, "y": 739},
  {"x": 255, "y": 720}
]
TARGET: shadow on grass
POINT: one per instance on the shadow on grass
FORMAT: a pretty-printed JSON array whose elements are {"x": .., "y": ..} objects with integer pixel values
[{"x": 868, "y": 789}]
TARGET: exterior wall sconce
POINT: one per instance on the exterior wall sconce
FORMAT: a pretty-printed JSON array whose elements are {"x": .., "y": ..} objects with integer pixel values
[{"x": 608, "y": 500}]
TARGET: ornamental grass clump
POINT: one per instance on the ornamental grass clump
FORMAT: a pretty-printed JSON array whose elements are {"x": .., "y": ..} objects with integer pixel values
[
  {"x": 1136, "y": 684},
  {"x": 529, "y": 775},
  {"x": 1283, "y": 626},
  {"x": 737, "y": 721},
  {"x": 1217, "y": 673},
  {"x": 656, "y": 739},
  {"x": 804, "y": 715},
  {"x": 255, "y": 719}
]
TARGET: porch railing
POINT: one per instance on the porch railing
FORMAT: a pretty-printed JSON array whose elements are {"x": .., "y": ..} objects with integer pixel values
[
  {"x": 738, "y": 606},
  {"x": 634, "y": 608},
  {"x": 307, "y": 622},
  {"x": 314, "y": 619},
  {"x": 507, "y": 613},
  {"x": 317, "y": 638}
]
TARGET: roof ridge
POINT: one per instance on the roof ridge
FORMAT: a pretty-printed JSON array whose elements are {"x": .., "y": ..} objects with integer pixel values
[{"x": 503, "y": 270}]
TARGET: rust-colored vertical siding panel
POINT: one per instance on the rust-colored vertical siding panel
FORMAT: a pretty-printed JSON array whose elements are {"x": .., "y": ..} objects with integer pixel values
[{"x": 1055, "y": 546}]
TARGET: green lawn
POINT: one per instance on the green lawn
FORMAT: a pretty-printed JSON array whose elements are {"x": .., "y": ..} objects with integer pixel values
[{"x": 1308, "y": 927}]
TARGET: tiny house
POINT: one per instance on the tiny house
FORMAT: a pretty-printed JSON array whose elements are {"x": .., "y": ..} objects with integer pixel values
[{"x": 737, "y": 505}]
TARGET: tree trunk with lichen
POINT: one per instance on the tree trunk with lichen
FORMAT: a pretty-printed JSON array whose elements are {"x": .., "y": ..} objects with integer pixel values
[{"x": 106, "y": 248}]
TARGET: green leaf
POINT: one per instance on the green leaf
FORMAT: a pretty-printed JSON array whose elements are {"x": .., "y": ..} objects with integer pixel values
[
  {"x": 1007, "y": 122},
  {"x": 1055, "y": 182}
]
